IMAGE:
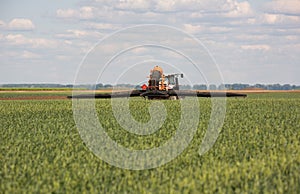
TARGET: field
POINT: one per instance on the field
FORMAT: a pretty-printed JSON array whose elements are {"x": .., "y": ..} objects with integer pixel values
[{"x": 257, "y": 151}]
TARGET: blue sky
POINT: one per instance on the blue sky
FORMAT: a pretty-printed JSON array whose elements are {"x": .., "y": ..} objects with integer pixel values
[{"x": 252, "y": 41}]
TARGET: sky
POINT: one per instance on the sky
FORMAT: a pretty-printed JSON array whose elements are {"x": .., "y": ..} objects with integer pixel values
[{"x": 242, "y": 41}]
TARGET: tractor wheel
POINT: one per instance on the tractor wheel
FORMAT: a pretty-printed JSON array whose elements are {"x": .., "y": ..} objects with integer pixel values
[{"x": 173, "y": 98}]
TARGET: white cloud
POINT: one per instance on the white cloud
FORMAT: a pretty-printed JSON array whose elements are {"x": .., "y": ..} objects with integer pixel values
[
  {"x": 122, "y": 8},
  {"x": 262, "y": 47},
  {"x": 193, "y": 29},
  {"x": 192, "y": 5},
  {"x": 244, "y": 21},
  {"x": 66, "y": 13},
  {"x": 241, "y": 9},
  {"x": 280, "y": 19},
  {"x": 68, "y": 42},
  {"x": 21, "y": 24},
  {"x": 102, "y": 26},
  {"x": 284, "y": 6},
  {"x": 219, "y": 29},
  {"x": 85, "y": 12},
  {"x": 166, "y": 5},
  {"x": 29, "y": 55},
  {"x": 197, "y": 28},
  {"x": 75, "y": 34},
  {"x": 21, "y": 40},
  {"x": 292, "y": 37},
  {"x": 134, "y": 5},
  {"x": 252, "y": 37},
  {"x": 2, "y": 24},
  {"x": 24, "y": 54},
  {"x": 270, "y": 18},
  {"x": 140, "y": 50}
]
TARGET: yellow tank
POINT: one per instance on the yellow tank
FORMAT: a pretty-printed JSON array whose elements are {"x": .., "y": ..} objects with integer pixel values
[{"x": 157, "y": 68}]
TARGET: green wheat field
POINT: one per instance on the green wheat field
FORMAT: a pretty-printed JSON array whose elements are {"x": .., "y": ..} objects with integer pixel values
[{"x": 257, "y": 151}]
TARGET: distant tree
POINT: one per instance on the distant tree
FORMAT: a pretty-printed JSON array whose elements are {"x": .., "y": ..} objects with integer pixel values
[
  {"x": 259, "y": 86},
  {"x": 200, "y": 87},
  {"x": 228, "y": 86},
  {"x": 221, "y": 87},
  {"x": 108, "y": 86},
  {"x": 185, "y": 87},
  {"x": 286, "y": 87},
  {"x": 237, "y": 86},
  {"x": 99, "y": 86},
  {"x": 276, "y": 87},
  {"x": 69, "y": 86},
  {"x": 212, "y": 87}
]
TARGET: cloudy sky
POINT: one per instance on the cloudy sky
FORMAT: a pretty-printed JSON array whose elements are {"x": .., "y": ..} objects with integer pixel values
[{"x": 255, "y": 41}]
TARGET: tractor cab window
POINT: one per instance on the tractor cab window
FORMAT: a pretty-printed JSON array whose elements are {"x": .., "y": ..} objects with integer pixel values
[{"x": 171, "y": 80}]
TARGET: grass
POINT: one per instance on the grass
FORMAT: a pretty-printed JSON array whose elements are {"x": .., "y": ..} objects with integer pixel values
[{"x": 257, "y": 150}]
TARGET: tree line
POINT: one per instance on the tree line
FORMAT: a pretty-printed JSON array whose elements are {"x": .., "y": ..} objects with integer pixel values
[{"x": 235, "y": 86}]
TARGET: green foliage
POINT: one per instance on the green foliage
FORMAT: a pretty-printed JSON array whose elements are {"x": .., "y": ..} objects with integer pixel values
[
  {"x": 257, "y": 150},
  {"x": 18, "y": 94}
]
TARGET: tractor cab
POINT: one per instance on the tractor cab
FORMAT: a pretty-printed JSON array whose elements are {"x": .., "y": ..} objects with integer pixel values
[{"x": 173, "y": 82}]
